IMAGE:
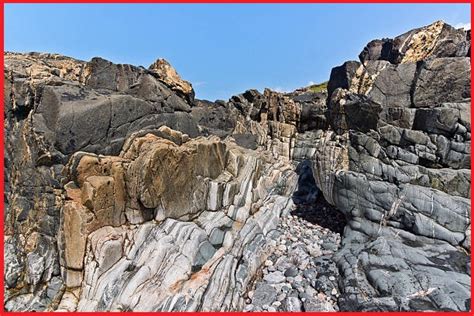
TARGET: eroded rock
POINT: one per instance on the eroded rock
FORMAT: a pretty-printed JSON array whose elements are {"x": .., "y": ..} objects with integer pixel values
[{"x": 123, "y": 193}]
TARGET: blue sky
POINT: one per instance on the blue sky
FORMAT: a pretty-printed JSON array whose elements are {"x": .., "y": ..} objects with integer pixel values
[{"x": 222, "y": 49}]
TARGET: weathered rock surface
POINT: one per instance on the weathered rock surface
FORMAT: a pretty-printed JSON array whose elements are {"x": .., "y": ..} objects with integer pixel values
[
  {"x": 54, "y": 107},
  {"x": 401, "y": 190},
  {"x": 125, "y": 193},
  {"x": 165, "y": 72},
  {"x": 435, "y": 40}
]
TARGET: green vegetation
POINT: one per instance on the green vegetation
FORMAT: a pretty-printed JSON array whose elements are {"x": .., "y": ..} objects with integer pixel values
[{"x": 320, "y": 87}]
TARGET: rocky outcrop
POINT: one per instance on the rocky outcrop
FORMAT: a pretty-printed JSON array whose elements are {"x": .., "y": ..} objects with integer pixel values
[
  {"x": 125, "y": 193},
  {"x": 84, "y": 132},
  {"x": 406, "y": 186},
  {"x": 200, "y": 209},
  {"x": 56, "y": 106},
  {"x": 435, "y": 40},
  {"x": 166, "y": 73}
]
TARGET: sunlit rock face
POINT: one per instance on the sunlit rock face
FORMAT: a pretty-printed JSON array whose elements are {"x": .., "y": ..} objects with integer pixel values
[
  {"x": 125, "y": 193},
  {"x": 171, "y": 222},
  {"x": 166, "y": 73}
]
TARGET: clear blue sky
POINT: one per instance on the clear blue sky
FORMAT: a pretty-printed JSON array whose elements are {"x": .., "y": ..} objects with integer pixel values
[{"x": 222, "y": 49}]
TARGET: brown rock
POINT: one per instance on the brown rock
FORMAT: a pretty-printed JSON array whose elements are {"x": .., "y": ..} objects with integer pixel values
[
  {"x": 171, "y": 78},
  {"x": 75, "y": 234}
]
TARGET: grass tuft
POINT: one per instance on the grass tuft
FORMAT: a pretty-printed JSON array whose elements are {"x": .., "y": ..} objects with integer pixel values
[{"x": 320, "y": 87}]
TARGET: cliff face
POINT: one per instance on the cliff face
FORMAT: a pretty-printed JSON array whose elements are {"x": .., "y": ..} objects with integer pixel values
[
  {"x": 124, "y": 192},
  {"x": 404, "y": 119}
]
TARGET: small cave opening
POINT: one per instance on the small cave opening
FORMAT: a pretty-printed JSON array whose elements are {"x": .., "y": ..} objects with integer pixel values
[{"x": 311, "y": 204}]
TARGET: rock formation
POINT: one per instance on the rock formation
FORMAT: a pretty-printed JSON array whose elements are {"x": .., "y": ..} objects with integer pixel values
[{"x": 125, "y": 193}]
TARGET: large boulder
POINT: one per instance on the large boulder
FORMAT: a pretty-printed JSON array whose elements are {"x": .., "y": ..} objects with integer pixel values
[
  {"x": 347, "y": 111},
  {"x": 341, "y": 76}
]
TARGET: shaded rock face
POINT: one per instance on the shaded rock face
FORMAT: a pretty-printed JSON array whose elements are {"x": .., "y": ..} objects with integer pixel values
[{"x": 125, "y": 193}]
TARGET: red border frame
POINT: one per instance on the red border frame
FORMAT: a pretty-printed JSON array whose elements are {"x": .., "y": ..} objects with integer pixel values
[{"x": 2, "y": 311}]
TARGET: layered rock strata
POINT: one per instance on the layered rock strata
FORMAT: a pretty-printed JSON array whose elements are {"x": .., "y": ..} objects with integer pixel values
[
  {"x": 403, "y": 119},
  {"x": 123, "y": 192}
]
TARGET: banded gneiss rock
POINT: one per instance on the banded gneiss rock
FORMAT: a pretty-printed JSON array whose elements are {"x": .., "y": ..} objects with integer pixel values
[{"x": 124, "y": 192}]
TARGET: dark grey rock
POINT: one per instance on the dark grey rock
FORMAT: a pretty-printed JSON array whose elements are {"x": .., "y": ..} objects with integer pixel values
[
  {"x": 393, "y": 85},
  {"x": 441, "y": 120},
  {"x": 356, "y": 112},
  {"x": 291, "y": 272},
  {"x": 341, "y": 76},
  {"x": 264, "y": 295},
  {"x": 443, "y": 80}
]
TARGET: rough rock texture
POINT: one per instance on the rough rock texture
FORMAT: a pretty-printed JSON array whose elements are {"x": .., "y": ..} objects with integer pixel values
[
  {"x": 124, "y": 192},
  {"x": 62, "y": 117},
  {"x": 435, "y": 40},
  {"x": 165, "y": 72},
  {"x": 54, "y": 107},
  {"x": 406, "y": 185},
  {"x": 168, "y": 226}
]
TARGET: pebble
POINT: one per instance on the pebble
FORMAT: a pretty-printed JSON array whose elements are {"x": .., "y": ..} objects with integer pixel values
[
  {"x": 282, "y": 248},
  {"x": 281, "y": 297},
  {"x": 291, "y": 272},
  {"x": 300, "y": 271},
  {"x": 292, "y": 304},
  {"x": 248, "y": 308},
  {"x": 274, "y": 277}
]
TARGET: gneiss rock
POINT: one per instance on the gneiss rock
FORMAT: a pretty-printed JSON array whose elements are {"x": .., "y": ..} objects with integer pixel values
[
  {"x": 219, "y": 196},
  {"x": 399, "y": 164},
  {"x": 120, "y": 186}
]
